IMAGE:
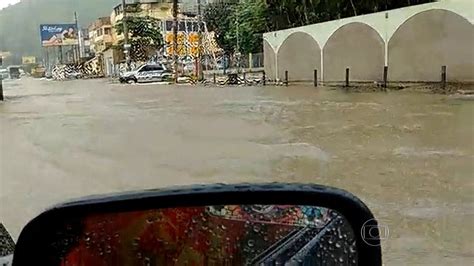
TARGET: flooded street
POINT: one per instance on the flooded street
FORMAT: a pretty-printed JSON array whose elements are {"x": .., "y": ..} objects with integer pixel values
[{"x": 408, "y": 155}]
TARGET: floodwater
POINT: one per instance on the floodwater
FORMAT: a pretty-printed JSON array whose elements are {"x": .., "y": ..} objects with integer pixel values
[{"x": 408, "y": 155}]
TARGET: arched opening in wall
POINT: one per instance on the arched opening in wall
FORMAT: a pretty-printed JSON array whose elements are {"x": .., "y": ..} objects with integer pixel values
[
  {"x": 300, "y": 55},
  {"x": 269, "y": 62},
  {"x": 429, "y": 40},
  {"x": 356, "y": 46}
]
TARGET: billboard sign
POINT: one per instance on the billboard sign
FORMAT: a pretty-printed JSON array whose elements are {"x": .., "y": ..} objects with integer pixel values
[
  {"x": 58, "y": 35},
  {"x": 188, "y": 38}
]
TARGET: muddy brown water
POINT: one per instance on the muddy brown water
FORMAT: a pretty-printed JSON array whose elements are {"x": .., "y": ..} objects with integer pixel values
[{"x": 408, "y": 155}]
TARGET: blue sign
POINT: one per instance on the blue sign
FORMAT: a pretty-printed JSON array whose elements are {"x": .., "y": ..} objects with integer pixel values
[{"x": 58, "y": 34}]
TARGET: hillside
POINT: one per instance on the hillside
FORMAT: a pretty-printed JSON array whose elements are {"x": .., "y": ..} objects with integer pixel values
[{"x": 19, "y": 23}]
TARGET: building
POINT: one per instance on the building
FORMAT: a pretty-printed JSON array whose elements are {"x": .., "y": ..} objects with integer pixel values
[
  {"x": 162, "y": 10},
  {"x": 159, "y": 9},
  {"x": 100, "y": 35}
]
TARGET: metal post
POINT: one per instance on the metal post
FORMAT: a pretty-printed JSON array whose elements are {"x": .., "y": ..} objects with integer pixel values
[
  {"x": 443, "y": 77},
  {"x": 126, "y": 45},
  {"x": 1, "y": 81},
  {"x": 214, "y": 77},
  {"x": 286, "y": 77},
  {"x": 347, "y": 77},
  {"x": 225, "y": 63},
  {"x": 385, "y": 76},
  {"x": 250, "y": 61},
  {"x": 175, "y": 40},
  {"x": 315, "y": 77},
  {"x": 60, "y": 55},
  {"x": 264, "y": 79},
  {"x": 1, "y": 89},
  {"x": 78, "y": 46},
  {"x": 245, "y": 77}
]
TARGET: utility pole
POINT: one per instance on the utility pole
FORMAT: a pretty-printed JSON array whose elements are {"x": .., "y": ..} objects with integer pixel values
[
  {"x": 126, "y": 45},
  {"x": 175, "y": 40},
  {"x": 199, "y": 56},
  {"x": 238, "y": 46},
  {"x": 78, "y": 46}
]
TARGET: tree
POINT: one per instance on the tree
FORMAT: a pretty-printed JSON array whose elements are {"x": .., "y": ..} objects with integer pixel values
[
  {"x": 218, "y": 18},
  {"x": 247, "y": 19},
  {"x": 248, "y": 23},
  {"x": 145, "y": 36}
]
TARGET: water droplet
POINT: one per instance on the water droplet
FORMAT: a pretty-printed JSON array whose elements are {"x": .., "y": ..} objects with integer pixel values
[
  {"x": 256, "y": 228},
  {"x": 338, "y": 245},
  {"x": 223, "y": 227},
  {"x": 352, "y": 249},
  {"x": 341, "y": 259},
  {"x": 251, "y": 243},
  {"x": 147, "y": 261}
]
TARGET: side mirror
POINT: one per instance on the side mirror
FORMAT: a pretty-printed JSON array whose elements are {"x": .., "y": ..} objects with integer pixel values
[{"x": 245, "y": 224}]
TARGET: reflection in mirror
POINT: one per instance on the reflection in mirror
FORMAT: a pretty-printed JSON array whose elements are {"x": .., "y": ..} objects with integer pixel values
[
  {"x": 208, "y": 235},
  {"x": 7, "y": 246}
]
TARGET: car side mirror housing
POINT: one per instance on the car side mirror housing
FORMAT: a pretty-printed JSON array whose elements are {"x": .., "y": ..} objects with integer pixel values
[{"x": 243, "y": 224}]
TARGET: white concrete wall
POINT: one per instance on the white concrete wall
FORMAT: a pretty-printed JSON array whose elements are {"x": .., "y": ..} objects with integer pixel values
[
  {"x": 386, "y": 27},
  {"x": 384, "y": 23}
]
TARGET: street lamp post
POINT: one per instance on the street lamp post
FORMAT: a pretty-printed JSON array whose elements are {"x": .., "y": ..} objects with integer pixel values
[
  {"x": 199, "y": 55},
  {"x": 1, "y": 81},
  {"x": 126, "y": 45},
  {"x": 175, "y": 40}
]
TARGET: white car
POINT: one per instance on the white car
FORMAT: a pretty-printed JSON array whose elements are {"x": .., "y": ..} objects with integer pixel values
[{"x": 146, "y": 73}]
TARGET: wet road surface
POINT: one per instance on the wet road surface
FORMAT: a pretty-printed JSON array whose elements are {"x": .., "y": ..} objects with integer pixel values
[{"x": 408, "y": 155}]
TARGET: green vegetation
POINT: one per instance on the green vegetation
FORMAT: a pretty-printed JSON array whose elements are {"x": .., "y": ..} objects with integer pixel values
[
  {"x": 257, "y": 16},
  {"x": 145, "y": 37}
]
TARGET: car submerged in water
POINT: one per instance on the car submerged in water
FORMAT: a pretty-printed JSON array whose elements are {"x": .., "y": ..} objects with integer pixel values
[{"x": 146, "y": 73}]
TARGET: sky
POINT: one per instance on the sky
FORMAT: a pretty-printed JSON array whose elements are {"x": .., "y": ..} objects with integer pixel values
[{"x": 5, "y": 3}]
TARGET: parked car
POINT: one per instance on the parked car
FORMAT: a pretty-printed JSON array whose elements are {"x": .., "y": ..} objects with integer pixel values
[{"x": 146, "y": 73}]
